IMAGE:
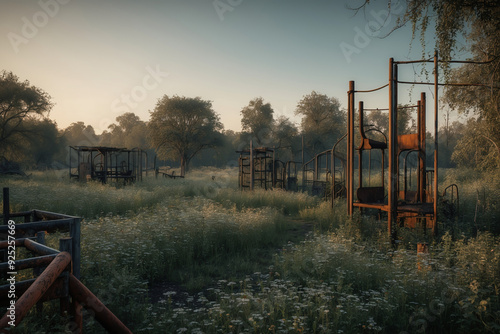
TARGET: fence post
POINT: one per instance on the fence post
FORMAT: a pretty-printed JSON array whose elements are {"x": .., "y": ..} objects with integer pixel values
[
  {"x": 65, "y": 245},
  {"x": 40, "y": 238},
  {"x": 74, "y": 233}
]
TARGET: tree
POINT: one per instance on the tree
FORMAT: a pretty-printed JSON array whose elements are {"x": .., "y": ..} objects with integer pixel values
[
  {"x": 454, "y": 20},
  {"x": 380, "y": 119},
  {"x": 286, "y": 136},
  {"x": 323, "y": 122},
  {"x": 19, "y": 102},
  {"x": 46, "y": 145},
  {"x": 79, "y": 134},
  {"x": 180, "y": 127},
  {"x": 257, "y": 119},
  {"x": 130, "y": 132},
  {"x": 475, "y": 148}
]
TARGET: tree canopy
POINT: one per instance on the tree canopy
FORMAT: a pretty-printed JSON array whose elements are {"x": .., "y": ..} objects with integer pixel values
[
  {"x": 129, "y": 132},
  {"x": 323, "y": 122},
  {"x": 20, "y": 102},
  {"x": 180, "y": 127},
  {"x": 257, "y": 119}
]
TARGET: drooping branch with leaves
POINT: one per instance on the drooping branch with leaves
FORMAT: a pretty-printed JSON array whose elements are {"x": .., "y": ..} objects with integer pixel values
[{"x": 461, "y": 27}]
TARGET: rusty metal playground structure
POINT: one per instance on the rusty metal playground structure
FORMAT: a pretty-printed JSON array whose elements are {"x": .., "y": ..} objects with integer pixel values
[{"x": 407, "y": 188}]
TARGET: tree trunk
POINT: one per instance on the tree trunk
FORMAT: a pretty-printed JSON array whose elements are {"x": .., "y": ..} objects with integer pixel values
[{"x": 183, "y": 165}]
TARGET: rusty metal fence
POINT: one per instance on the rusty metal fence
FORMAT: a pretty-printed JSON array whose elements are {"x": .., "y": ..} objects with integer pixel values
[{"x": 56, "y": 273}]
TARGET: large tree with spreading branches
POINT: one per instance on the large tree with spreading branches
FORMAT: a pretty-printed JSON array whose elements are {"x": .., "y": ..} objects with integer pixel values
[{"x": 180, "y": 127}]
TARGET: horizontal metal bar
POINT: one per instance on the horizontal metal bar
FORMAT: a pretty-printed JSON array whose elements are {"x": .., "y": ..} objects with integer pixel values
[
  {"x": 18, "y": 214},
  {"x": 17, "y": 243},
  {"x": 20, "y": 287},
  {"x": 51, "y": 215},
  {"x": 33, "y": 262},
  {"x": 457, "y": 84},
  {"x": 415, "y": 61},
  {"x": 39, "y": 248},
  {"x": 46, "y": 225},
  {"x": 371, "y": 90}
]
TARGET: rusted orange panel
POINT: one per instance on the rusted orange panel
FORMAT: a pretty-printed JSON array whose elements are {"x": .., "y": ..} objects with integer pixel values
[
  {"x": 410, "y": 196},
  {"x": 414, "y": 220},
  {"x": 408, "y": 142}
]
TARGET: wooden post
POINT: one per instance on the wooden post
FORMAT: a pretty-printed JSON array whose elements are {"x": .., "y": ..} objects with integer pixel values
[
  {"x": 40, "y": 238},
  {"x": 74, "y": 233},
  {"x": 37, "y": 271}
]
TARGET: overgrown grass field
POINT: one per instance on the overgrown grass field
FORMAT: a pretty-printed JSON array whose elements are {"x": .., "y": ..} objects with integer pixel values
[{"x": 197, "y": 255}]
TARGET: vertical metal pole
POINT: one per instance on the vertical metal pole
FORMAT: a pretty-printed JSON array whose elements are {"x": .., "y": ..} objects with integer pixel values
[
  {"x": 69, "y": 162},
  {"x": 350, "y": 151},
  {"x": 360, "y": 152},
  {"x": 422, "y": 161},
  {"x": 65, "y": 245},
  {"x": 251, "y": 165},
  {"x": 393, "y": 168},
  {"x": 316, "y": 166},
  {"x": 75, "y": 234},
  {"x": 274, "y": 169},
  {"x": 332, "y": 188},
  {"x": 105, "y": 167},
  {"x": 436, "y": 106},
  {"x": 78, "y": 165},
  {"x": 303, "y": 170}
]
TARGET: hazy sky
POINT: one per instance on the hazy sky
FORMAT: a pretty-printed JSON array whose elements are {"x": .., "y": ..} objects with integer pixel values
[{"x": 100, "y": 58}]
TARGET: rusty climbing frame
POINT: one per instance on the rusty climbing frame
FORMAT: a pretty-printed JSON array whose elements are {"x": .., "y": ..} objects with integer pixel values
[
  {"x": 404, "y": 205},
  {"x": 324, "y": 174},
  {"x": 56, "y": 272},
  {"x": 258, "y": 168},
  {"x": 106, "y": 164}
]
